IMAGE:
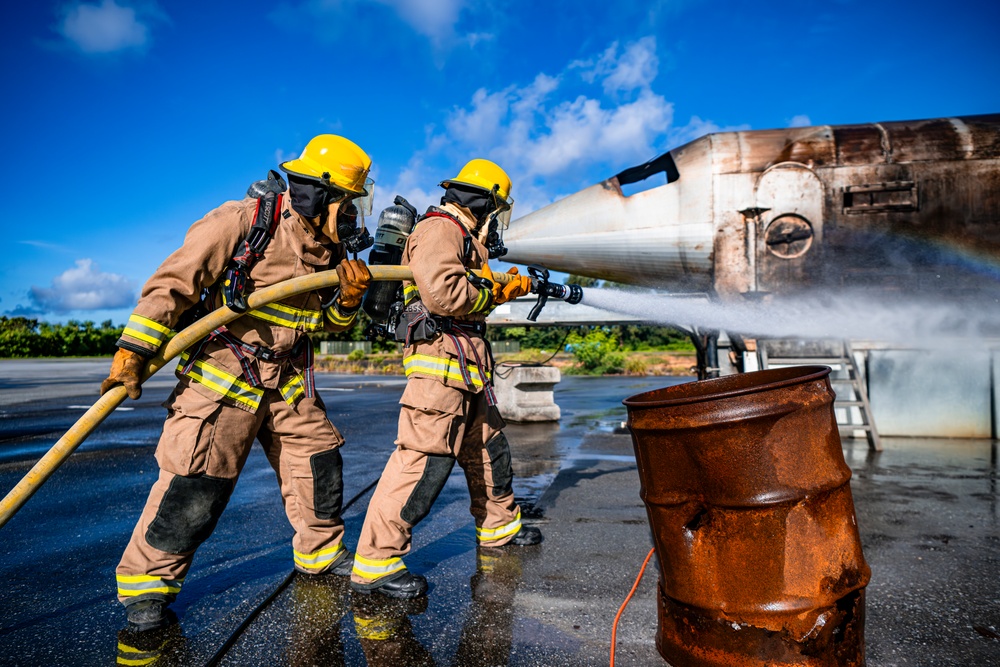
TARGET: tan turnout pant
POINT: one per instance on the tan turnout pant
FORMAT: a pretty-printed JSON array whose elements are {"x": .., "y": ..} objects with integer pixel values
[
  {"x": 201, "y": 452},
  {"x": 437, "y": 426}
]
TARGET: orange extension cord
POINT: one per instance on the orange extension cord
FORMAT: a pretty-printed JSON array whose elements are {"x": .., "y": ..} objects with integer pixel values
[{"x": 614, "y": 627}]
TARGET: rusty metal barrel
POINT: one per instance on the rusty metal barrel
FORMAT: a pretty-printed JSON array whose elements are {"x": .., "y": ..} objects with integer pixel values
[{"x": 749, "y": 500}]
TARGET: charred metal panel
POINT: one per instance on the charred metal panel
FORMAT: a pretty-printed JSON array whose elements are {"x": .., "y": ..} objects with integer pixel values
[
  {"x": 894, "y": 206},
  {"x": 789, "y": 245},
  {"x": 921, "y": 141},
  {"x": 860, "y": 144},
  {"x": 735, "y": 251}
]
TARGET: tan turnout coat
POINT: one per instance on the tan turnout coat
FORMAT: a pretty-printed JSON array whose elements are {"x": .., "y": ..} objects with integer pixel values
[
  {"x": 434, "y": 252},
  {"x": 295, "y": 250}
]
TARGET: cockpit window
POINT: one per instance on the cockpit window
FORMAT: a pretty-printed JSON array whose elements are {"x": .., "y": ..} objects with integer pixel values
[{"x": 664, "y": 163}]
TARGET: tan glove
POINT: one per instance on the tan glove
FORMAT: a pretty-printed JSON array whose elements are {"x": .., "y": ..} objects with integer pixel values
[
  {"x": 126, "y": 369},
  {"x": 354, "y": 280},
  {"x": 517, "y": 286}
]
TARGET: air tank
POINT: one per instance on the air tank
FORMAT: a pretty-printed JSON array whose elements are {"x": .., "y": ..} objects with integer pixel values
[
  {"x": 394, "y": 226},
  {"x": 911, "y": 205}
]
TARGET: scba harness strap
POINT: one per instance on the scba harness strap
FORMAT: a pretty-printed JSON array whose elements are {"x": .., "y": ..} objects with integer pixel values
[
  {"x": 265, "y": 222},
  {"x": 267, "y": 216},
  {"x": 243, "y": 351},
  {"x": 423, "y": 325}
]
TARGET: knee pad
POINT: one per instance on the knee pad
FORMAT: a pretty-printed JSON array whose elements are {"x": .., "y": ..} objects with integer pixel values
[
  {"x": 503, "y": 474},
  {"x": 328, "y": 483},
  {"x": 427, "y": 489},
  {"x": 188, "y": 512}
]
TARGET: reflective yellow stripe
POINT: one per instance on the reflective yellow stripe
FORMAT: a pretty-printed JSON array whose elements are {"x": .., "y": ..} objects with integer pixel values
[
  {"x": 293, "y": 389},
  {"x": 342, "y": 320},
  {"x": 222, "y": 382},
  {"x": 490, "y": 534},
  {"x": 377, "y": 629},
  {"x": 376, "y": 569},
  {"x": 146, "y": 330},
  {"x": 289, "y": 316},
  {"x": 410, "y": 293},
  {"x": 482, "y": 300},
  {"x": 318, "y": 559},
  {"x": 130, "y": 655},
  {"x": 442, "y": 367},
  {"x": 486, "y": 563},
  {"x": 131, "y": 585}
]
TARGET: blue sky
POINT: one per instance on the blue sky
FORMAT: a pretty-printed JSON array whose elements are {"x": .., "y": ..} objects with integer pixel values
[{"x": 128, "y": 120}]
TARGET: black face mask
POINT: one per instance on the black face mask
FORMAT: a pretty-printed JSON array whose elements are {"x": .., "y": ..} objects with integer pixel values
[
  {"x": 309, "y": 198},
  {"x": 479, "y": 202}
]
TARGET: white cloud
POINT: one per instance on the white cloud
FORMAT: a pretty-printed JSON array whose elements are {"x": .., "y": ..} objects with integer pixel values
[
  {"x": 45, "y": 245},
  {"x": 104, "y": 28},
  {"x": 84, "y": 287},
  {"x": 800, "y": 120},
  {"x": 331, "y": 19},
  {"x": 548, "y": 136},
  {"x": 480, "y": 124},
  {"x": 584, "y": 132},
  {"x": 635, "y": 69},
  {"x": 435, "y": 19}
]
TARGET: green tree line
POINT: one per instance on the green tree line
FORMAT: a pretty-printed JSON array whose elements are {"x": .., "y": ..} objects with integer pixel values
[{"x": 23, "y": 337}]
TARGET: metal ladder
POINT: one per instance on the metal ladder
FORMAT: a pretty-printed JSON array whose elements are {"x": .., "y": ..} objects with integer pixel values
[{"x": 854, "y": 412}]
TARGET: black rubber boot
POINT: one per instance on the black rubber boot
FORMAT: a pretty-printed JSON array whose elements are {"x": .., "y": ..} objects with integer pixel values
[
  {"x": 527, "y": 536},
  {"x": 404, "y": 586},
  {"x": 147, "y": 615},
  {"x": 344, "y": 565}
]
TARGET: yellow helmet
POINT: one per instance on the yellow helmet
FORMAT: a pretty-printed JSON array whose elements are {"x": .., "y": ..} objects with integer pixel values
[
  {"x": 480, "y": 173},
  {"x": 334, "y": 160}
]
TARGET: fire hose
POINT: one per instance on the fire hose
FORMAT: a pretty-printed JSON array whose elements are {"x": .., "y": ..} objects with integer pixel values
[{"x": 107, "y": 403}]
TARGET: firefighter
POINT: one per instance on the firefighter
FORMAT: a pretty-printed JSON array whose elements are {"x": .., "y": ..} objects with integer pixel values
[
  {"x": 448, "y": 407},
  {"x": 250, "y": 379}
]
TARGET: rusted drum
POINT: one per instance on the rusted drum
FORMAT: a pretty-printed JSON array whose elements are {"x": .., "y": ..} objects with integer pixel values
[{"x": 749, "y": 501}]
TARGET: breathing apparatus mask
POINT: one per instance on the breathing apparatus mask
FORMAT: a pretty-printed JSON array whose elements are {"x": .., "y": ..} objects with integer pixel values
[
  {"x": 312, "y": 198},
  {"x": 488, "y": 208}
]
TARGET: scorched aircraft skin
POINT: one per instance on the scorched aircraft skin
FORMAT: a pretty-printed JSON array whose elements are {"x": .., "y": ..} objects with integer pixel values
[{"x": 900, "y": 206}]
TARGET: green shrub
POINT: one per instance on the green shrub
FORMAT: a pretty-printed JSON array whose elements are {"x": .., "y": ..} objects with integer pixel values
[
  {"x": 356, "y": 355},
  {"x": 597, "y": 352},
  {"x": 635, "y": 366}
]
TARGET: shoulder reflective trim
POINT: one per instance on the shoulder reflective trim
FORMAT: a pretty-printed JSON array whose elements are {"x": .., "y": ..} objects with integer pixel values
[
  {"x": 146, "y": 330},
  {"x": 442, "y": 367},
  {"x": 410, "y": 294},
  {"x": 490, "y": 534},
  {"x": 334, "y": 316},
  {"x": 318, "y": 559},
  {"x": 221, "y": 382},
  {"x": 376, "y": 569},
  {"x": 288, "y": 316},
  {"x": 130, "y": 585},
  {"x": 292, "y": 390},
  {"x": 482, "y": 300},
  {"x": 377, "y": 629}
]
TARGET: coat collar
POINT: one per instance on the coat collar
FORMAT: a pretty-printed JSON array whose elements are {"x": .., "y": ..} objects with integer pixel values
[{"x": 306, "y": 241}]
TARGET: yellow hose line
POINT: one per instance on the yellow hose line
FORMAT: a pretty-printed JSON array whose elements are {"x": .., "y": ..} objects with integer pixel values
[{"x": 106, "y": 404}]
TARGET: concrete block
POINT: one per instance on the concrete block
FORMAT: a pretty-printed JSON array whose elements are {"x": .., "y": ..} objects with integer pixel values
[{"x": 525, "y": 393}]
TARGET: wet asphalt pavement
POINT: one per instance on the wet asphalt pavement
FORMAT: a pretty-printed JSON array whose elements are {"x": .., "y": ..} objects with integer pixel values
[{"x": 927, "y": 510}]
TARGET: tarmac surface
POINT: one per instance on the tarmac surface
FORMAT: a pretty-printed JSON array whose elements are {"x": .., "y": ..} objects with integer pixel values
[{"x": 927, "y": 511}]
